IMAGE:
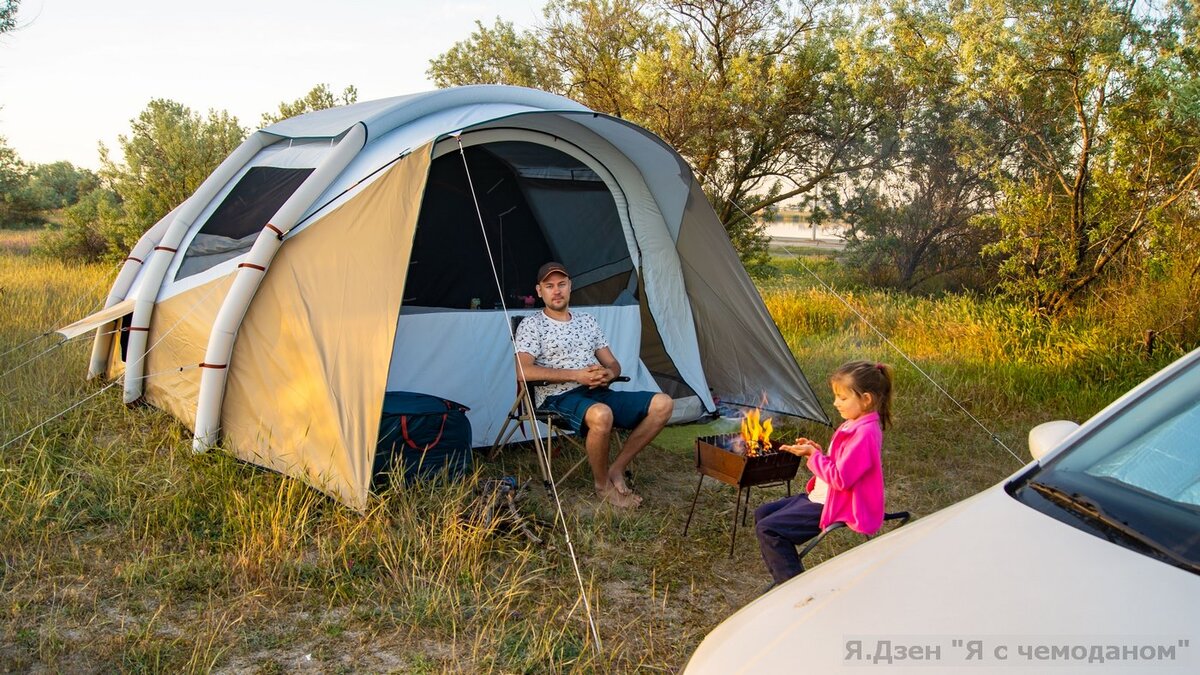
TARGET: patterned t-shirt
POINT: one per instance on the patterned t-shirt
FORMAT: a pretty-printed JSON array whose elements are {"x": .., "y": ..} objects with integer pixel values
[{"x": 560, "y": 344}]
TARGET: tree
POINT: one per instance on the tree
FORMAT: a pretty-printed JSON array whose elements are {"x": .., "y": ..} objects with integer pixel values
[
  {"x": 1098, "y": 97},
  {"x": 496, "y": 55},
  {"x": 317, "y": 98},
  {"x": 167, "y": 155},
  {"x": 753, "y": 93},
  {"x": 17, "y": 206},
  {"x": 917, "y": 216},
  {"x": 60, "y": 184}
]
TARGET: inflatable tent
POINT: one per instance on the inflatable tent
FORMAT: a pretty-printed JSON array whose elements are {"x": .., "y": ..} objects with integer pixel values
[{"x": 341, "y": 254}]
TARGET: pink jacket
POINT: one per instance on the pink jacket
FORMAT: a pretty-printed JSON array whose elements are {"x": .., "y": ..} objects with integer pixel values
[{"x": 854, "y": 471}]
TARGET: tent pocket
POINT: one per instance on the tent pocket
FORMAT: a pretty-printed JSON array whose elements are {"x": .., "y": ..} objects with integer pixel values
[{"x": 421, "y": 436}]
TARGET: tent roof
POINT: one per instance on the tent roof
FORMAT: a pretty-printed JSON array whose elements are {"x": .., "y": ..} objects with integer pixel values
[{"x": 383, "y": 115}]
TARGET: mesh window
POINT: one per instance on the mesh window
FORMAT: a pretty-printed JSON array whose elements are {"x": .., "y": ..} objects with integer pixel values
[{"x": 235, "y": 224}]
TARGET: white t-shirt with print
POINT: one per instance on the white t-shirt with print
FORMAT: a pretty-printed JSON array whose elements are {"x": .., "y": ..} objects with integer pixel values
[{"x": 560, "y": 344}]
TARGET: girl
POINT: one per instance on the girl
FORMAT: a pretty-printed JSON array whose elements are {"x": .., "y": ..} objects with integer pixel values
[{"x": 847, "y": 484}]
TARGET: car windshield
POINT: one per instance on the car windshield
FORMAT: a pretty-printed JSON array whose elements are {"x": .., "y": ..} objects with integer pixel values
[{"x": 1135, "y": 479}]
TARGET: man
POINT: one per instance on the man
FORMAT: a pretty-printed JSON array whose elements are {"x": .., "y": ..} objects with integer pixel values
[{"x": 568, "y": 350}]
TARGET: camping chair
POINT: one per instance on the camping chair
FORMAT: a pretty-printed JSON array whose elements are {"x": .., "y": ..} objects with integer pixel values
[
  {"x": 522, "y": 412},
  {"x": 902, "y": 516}
]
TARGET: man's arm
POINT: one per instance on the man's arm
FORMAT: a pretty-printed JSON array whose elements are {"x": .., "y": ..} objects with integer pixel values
[
  {"x": 610, "y": 363},
  {"x": 592, "y": 376}
]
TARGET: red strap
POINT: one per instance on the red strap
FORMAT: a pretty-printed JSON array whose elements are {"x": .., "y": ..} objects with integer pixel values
[
  {"x": 165, "y": 248},
  {"x": 252, "y": 266},
  {"x": 409, "y": 441}
]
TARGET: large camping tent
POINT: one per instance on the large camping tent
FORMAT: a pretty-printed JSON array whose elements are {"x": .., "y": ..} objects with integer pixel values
[{"x": 340, "y": 254}]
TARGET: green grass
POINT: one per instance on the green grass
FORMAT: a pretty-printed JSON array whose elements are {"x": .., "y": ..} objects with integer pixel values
[{"x": 122, "y": 550}]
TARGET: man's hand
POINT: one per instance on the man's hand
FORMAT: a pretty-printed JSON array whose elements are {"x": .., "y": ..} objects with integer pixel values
[{"x": 594, "y": 376}]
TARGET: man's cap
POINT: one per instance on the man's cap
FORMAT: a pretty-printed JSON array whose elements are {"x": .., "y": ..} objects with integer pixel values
[{"x": 550, "y": 268}]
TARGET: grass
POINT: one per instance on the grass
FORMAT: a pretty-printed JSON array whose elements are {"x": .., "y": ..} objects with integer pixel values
[{"x": 122, "y": 550}]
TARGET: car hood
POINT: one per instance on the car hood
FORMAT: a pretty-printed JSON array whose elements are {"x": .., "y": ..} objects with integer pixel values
[{"x": 988, "y": 573}]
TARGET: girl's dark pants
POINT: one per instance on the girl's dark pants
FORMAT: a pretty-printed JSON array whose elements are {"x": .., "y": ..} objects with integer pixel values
[{"x": 782, "y": 525}]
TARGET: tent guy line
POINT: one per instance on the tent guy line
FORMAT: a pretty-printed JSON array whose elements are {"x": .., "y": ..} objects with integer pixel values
[
  {"x": 539, "y": 446},
  {"x": 995, "y": 437},
  {"x": 115, "y": 381},
  {"x": 74, "y": 309}
]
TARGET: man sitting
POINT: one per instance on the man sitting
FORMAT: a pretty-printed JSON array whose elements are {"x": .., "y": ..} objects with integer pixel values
[{"x": 568, "y": 350}]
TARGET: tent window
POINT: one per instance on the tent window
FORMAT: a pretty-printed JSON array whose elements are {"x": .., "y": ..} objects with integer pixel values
[
  {"x": 236, "y": 222},
  {"x": 538, "y": 204}
]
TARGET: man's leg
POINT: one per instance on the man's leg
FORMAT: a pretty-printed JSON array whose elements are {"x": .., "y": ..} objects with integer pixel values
[
  {"x": 599, "y": 422},
  {"x": 657, "y": 416}
]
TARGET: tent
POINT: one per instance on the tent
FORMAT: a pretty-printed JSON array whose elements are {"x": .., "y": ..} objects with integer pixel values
[{"x": 339, "y": 255}]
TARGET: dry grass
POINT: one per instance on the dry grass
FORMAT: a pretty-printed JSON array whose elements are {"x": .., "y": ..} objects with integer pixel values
[{"x": 121, "y": 550}]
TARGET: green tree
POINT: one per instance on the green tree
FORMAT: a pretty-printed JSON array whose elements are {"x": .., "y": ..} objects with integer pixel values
[
  {"x": 60, "y": 184},
  {"x": 317, "y": 98},
  {"x": 755, "y": 94},
  {"x": 1098, "y": 99},
  {"x": 916, "y": 218},
  {"x": 496, "y": 55},
  {"x": 17, "y": 205}
]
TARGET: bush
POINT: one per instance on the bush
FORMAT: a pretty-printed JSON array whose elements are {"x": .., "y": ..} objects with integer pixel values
[{"x": 84, "y": 235}]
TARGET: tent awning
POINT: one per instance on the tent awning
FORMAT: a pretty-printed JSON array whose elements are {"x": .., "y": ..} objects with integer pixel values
[{"x": 96, "y": 320}]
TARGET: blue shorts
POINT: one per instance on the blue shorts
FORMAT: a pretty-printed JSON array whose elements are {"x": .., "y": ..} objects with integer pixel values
[{"x": 629, "y": 408}]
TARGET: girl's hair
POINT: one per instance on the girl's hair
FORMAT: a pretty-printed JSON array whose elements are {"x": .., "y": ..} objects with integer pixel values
[{"x": 864, "y": 377}]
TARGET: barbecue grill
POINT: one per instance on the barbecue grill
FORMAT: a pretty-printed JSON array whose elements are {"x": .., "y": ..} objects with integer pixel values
[{"x": 724, "y": 458}]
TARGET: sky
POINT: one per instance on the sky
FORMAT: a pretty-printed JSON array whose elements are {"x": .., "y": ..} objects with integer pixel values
[{"x": 75, "y": 72}]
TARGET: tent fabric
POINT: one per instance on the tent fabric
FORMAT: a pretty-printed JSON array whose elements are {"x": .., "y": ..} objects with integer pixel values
[
  {"x": 309, "y": 368},
  {"x": 739, "y": 341},
  {"x": 179, "y": 333}
]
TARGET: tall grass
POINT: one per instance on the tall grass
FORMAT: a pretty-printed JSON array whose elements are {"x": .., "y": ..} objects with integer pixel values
[{"x": 122, "y": 550}]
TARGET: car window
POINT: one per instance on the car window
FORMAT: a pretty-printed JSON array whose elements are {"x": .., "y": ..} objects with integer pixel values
[
  {"x": 1135, "y": 479},
  {"x": 1154, "y": 445}
]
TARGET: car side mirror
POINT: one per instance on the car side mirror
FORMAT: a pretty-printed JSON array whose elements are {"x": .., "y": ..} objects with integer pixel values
[{"x": 1045, "y": 437}]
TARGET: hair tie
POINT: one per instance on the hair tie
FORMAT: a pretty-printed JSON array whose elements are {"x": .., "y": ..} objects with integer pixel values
[{"x": 879, "y": 367}]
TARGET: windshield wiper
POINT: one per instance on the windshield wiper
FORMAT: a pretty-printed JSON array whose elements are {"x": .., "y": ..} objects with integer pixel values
[{"x": 1088, "y": 508}]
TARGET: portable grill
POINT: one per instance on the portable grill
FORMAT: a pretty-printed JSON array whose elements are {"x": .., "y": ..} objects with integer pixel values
[{"x": 723, "y": 458}]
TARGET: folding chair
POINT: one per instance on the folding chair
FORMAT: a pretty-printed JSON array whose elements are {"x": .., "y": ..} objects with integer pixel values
[
  {"x": 522, "y": 412},
  {"x": 902, "y": 516}
]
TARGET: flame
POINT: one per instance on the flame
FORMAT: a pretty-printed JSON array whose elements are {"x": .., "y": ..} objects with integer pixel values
[{"x": 756, "y": 432}]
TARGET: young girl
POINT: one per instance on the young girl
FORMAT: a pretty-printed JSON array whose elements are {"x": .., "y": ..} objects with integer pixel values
[{"x": 847, "y": 484}]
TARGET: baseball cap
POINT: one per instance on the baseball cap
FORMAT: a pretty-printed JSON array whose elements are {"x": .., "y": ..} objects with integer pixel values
[{"x": 550, "y": 268}]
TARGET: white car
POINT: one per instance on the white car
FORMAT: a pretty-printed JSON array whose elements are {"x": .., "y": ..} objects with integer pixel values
[{"x": 1086, "y": 560}]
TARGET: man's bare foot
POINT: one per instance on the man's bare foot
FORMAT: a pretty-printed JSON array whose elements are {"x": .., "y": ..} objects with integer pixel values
[
  {"x": 611, "y": 495},
  {"x": 618, "y": 482}
]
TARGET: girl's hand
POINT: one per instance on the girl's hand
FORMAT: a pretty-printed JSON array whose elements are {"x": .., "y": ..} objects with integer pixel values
[
  {"x": 810, "y": 447},
  {"x": 793, "y": 449},
  {"x": 802, "y": 448}
]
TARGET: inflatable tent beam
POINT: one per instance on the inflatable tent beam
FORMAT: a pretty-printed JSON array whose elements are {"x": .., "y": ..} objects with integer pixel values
[
  {"x": 249, "y": 275},
  {"x": 102, "y": 345},
  {"x": 164, "y": 252}
]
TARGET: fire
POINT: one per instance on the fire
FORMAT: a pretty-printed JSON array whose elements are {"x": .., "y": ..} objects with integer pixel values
[{"x": 756, "y": 433}]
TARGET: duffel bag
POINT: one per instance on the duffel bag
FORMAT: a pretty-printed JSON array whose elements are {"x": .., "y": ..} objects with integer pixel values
[{"x": 420, "y": 437}]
